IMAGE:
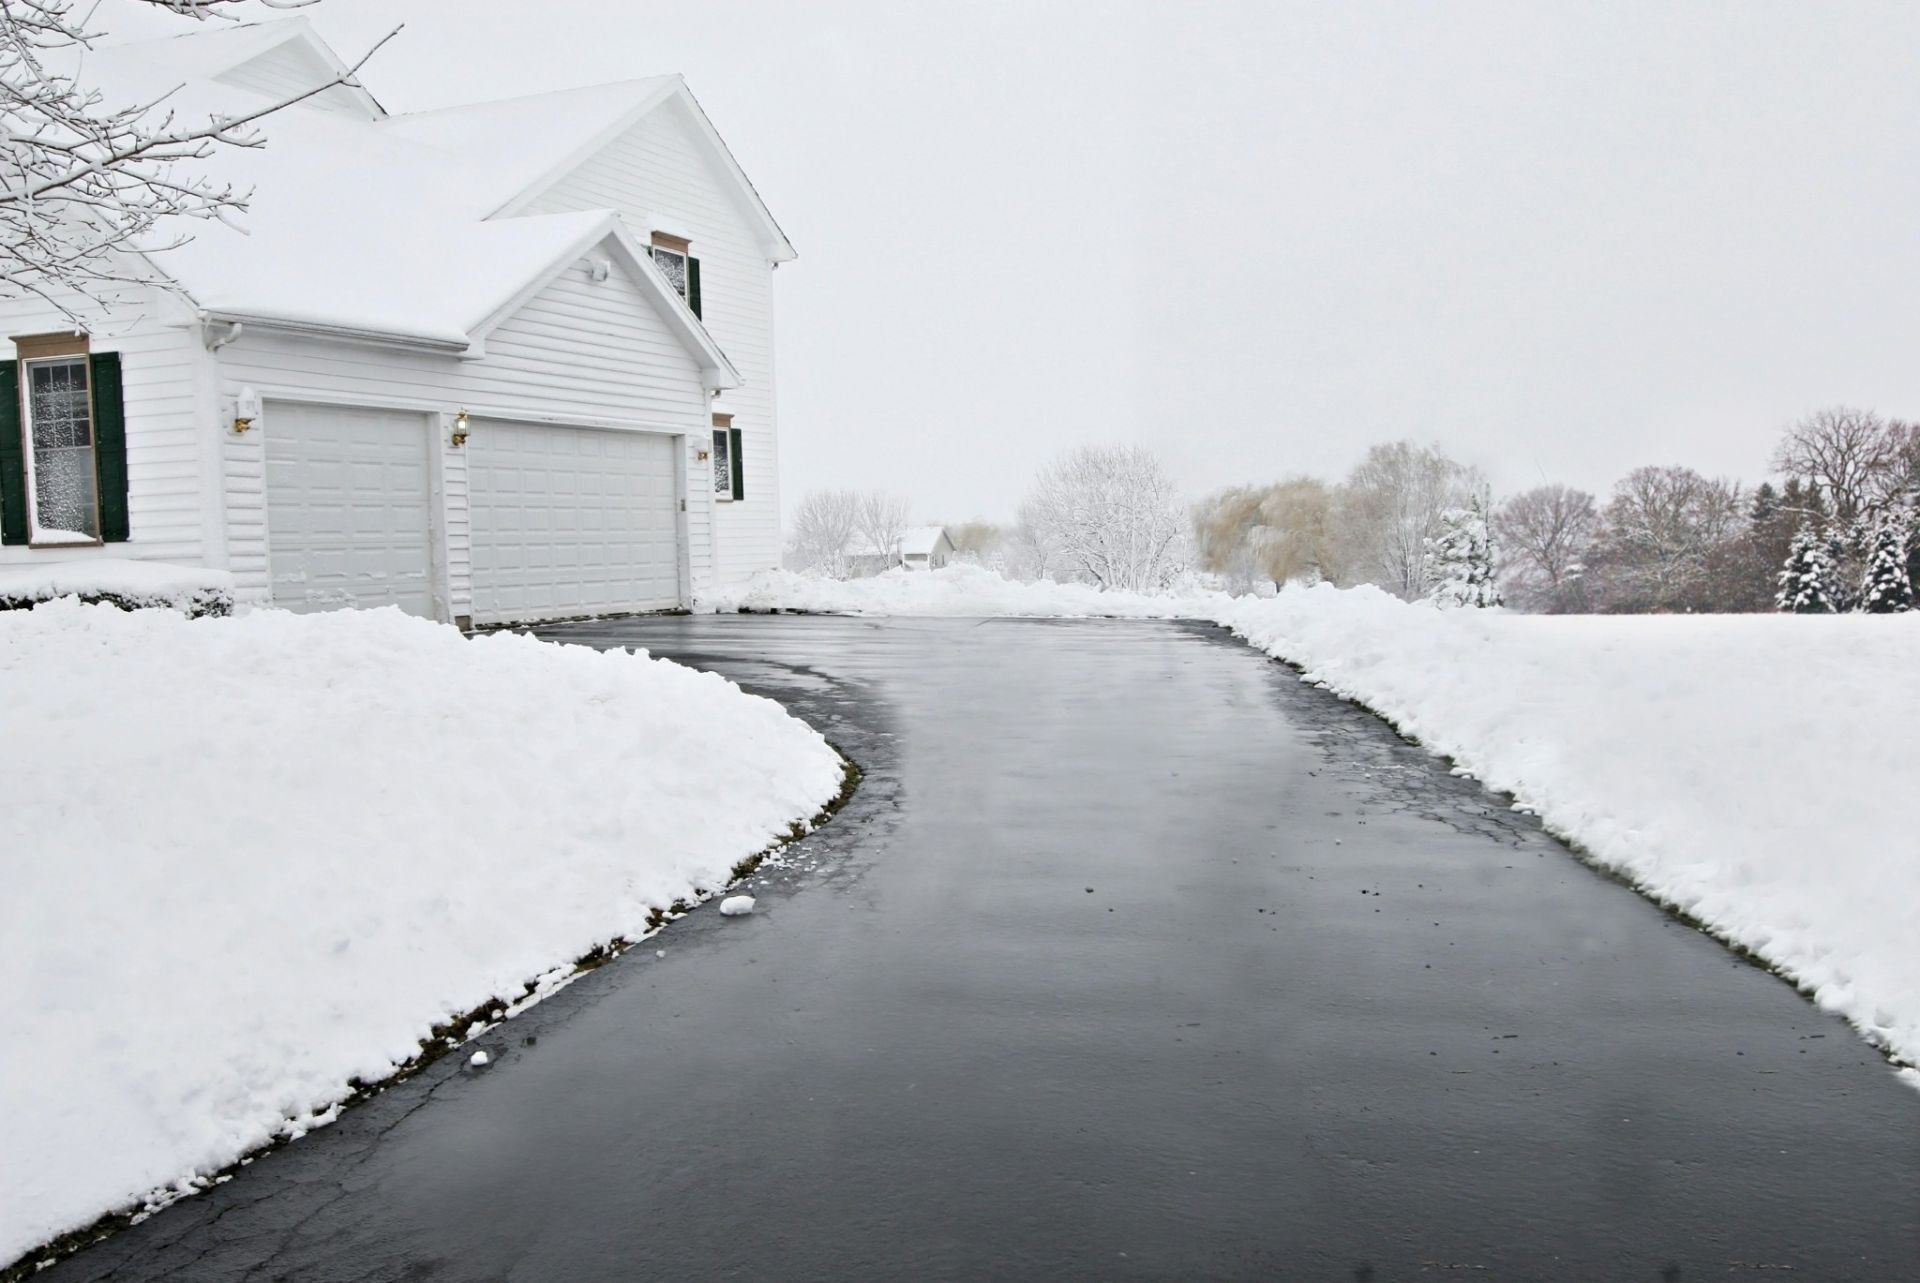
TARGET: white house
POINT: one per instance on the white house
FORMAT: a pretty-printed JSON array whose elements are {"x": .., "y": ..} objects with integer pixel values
[
  {"x": 925, "y": 548},
  {"x": 918, "y": 548},
  {"x": 465, "y": 362}
]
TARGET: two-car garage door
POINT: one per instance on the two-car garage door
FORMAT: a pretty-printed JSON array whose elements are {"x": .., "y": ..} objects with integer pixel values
[{"x": 563, "y": 521}]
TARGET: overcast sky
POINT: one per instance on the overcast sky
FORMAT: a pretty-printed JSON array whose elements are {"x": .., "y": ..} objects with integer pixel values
[{"x": 1561, "y": 240}]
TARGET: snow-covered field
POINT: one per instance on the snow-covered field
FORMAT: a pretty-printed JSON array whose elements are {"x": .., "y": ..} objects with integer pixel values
[
  {"x": 247, "y": 860},
  {"x": 1756, "y": 771}
]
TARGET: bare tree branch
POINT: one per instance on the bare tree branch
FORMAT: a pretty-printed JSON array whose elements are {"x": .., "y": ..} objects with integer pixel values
[{"x": 81, "y": 182}]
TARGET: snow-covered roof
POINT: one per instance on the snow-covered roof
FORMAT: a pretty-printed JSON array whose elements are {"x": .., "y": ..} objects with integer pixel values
[
  {"x": 920, "y": 541},
  {"x": 388, "y": 226}
]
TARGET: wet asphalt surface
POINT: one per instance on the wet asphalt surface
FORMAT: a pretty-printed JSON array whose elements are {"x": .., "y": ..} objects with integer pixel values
[{"x": 1134, "y": 958}]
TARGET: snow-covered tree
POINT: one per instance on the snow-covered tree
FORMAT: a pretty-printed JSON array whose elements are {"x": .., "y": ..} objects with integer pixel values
[
  {"x": 1886, "y": 589},
  {"x": 1807, "y": 578},
  {"x": 1459, "y": 560},
  {"x": 83, "y": 177},
  {"x": 1110, "y": 514},
  {"x": 1389, "y": 506},
  {"x": 823, "y": 529},
  {"x": 883, "y": 520}
]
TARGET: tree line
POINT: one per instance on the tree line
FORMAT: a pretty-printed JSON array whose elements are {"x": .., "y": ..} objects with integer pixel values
[{"x": 1835, "y": 528}]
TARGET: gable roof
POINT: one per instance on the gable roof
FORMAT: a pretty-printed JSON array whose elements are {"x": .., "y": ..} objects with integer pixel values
[
  {"x": 525, "y": 133},
  {"x": 920, "y": 541},
  {"x": 384, "y": 227}
]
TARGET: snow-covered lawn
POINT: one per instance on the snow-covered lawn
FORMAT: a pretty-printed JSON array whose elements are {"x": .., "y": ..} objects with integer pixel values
[
  {"x": 1757, "y": 771},
  {"x": 248, "y": 860}
]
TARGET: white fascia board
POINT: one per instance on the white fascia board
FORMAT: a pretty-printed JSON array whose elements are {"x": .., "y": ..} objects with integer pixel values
[{"x": 347, "y": 333}]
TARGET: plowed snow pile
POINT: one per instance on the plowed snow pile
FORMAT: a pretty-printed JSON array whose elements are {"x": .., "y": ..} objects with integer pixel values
[{"x": 247, "y": 860}]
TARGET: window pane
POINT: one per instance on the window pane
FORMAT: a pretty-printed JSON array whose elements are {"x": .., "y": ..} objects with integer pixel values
[
  {"x": 722, "y": 465},
  {"x": 673, "y": 266},
  {"x": 64, "y": 480}
]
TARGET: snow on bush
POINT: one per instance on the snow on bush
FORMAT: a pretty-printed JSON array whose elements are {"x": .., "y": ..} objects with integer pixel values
[
  {"x": 248, "y": 860},
  {"x": 192, "y": 590},
  {"x": 1751, "y": 770}
]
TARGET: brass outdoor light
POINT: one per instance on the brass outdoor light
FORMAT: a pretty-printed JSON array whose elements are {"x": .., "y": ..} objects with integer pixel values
[{"x": 460, "y": 428}]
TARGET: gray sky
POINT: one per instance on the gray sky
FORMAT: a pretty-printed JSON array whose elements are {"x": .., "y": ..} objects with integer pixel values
[{"x": 1560, "y": 240}]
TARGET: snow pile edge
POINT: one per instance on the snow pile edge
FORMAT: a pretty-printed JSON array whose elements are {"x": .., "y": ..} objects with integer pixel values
[{"x": 325, "y": 849}]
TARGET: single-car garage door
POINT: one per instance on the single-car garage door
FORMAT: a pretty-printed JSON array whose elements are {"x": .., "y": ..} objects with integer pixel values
[
  {"x": 571, "y": 521},
  {"x": 347, "y": 508}
]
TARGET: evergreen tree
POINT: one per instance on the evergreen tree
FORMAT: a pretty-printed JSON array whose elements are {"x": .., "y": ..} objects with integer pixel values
[
  {"x": 1459, "y": 560},
  {"x": 1886, "y": 589},
  {"x": 1806, "y": 580}
]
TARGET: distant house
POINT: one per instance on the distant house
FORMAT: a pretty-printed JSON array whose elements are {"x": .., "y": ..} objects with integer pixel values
[
  {"x": 463, "y": 363},
  {"x": 926, "y": 548},
  {"x": 919, "y": 548}
]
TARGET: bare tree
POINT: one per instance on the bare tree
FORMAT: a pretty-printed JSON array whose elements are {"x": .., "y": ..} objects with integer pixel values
[
  {"x": 824, "y": 526},
  {"x": 1111, "y": 514},
  {"x": 1662, "y": 532},
  {"x": 83, "y": 179},
  {"x": 1390, "y": 506},
  {"x": 883, "y": 520},
  {"x": 1851, "y": 454},
  {"x": 1544, "y": 533}
]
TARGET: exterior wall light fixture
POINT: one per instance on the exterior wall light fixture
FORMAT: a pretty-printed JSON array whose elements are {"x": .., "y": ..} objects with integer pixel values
[
  {"x": 246, "y": 408},
  {"x": 460, "y": 428}
]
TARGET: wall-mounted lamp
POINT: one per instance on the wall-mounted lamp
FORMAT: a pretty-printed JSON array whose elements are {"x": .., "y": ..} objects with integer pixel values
[
  {"x": 246, "y": 408},
  {"x": 460, "y": 428}
]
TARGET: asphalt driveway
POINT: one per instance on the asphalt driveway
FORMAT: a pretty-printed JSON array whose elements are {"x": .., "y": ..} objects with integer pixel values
[{"x": 1134, "y": 958}]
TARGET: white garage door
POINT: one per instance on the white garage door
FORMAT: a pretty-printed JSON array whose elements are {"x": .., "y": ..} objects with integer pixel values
[
  {"x": 347, "y": 508},
  {"x": 571, "y": 521}
]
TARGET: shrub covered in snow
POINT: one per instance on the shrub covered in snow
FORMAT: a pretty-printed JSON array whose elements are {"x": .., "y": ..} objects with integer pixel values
[
  {"x": 130, "y": 585},
  {"x": 247, "y": 861}
]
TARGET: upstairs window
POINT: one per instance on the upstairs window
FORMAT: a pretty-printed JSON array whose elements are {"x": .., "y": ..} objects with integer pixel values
[{"x": 682, "y": 270}]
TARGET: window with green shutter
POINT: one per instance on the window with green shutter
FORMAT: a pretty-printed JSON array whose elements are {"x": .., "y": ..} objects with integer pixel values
[{"x": 63, "y": 444}]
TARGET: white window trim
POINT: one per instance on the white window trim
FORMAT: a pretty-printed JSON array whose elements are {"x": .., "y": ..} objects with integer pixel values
[
  {"x": 37, "y": 537},
  {"x": 683, "y": 255}
]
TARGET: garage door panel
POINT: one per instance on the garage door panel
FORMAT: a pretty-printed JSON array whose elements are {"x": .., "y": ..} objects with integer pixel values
[
  {"x": 347, "y": 508},
  {"x": 571, "y": 521}
]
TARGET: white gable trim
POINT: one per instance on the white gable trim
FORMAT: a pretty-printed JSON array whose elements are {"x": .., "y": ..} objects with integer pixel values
[
  {"x": 779, "y": 249},
  {"x": 611, "y": 235}
]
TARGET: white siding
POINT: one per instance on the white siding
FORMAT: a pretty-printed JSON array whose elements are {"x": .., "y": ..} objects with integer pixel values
[
  {"x": 167, "y": 451},
  {"x": 659, "y": 167},
  {"x": 578, "y": 352}
]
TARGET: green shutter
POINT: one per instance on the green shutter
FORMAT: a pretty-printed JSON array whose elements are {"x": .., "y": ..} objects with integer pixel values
[
  {"x": 13, "y": 459},
  {"x": 110, "y": 445},
  {"x": 693, "y": 285},
  {"x": 739, "y": 464}
]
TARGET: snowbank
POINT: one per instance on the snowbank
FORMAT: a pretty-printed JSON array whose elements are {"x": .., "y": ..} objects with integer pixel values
[
  {"x": 1753, "y": 770},
  {"x": 247, "y": 860},
  {"x": 193, "y": 590},
  {"x": 954, "y": 590}
]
